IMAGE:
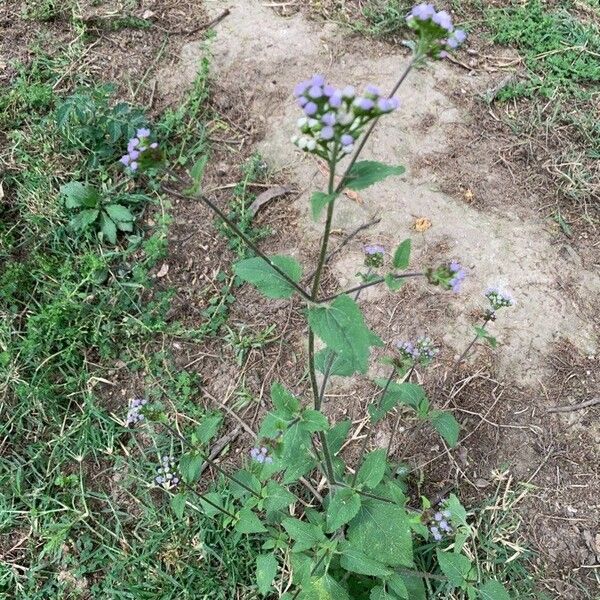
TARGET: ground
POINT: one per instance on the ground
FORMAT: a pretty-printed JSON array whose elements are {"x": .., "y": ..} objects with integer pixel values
[{"x": 482, "y": 207}]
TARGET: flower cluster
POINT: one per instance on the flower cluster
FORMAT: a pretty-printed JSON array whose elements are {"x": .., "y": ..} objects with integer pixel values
[
  {"x": 335, "y": 118},
  {"x": 458, "y": 275},
  {"x": 421, "y": 352},
  {"x": 449, "y": 276},
  {"x": 435, "y": 29},
  {"x": 134, "y": 414},
  {"x": 261, "y": 455},
  {"x": 167, "y": 477},
  {"x": 137, "y": 149},
  {"x": 499, "y": 299},
  {"x": 439, "y": 524},
  {"x": 374, "y": 254}
]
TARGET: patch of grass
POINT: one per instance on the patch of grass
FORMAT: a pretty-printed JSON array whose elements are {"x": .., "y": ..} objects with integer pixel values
[{"x": 383, "y": 18}]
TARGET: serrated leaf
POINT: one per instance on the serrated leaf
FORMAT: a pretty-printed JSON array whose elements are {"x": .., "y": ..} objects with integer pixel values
[
  {"x": 340, "y": 366},
  {"x": 84, "y": 218},
  {"x": 178, "y": 504},
  {"x": 343, "y": 507},
  {"x": 286, "y": 404},
  {"x": 77, "y": 195},
  {"x": 337, "y": 435},
  {"x": 208, "y": 427},
  {"x": 305, "y": 535},
  {"x": 266, "y": 569},
  {"x": 214, "y": 498},
  {"x": 342, "y": 327},
  {"x": 259, "y": 273},
  {"x": 446, "y": 425},
  {"x": 493, "y": 590},
  {"x": 124, "y": 225},
  {"x": 323, "y": 588},
  {"x": 302, "y": 566},
  {"x": 118, "y": 212},
  {"x": 247, "y": 479},
  {"x": 355, "y": 561},
  {"x": 296, "y": 457},
  {"x": 397, "y": 585},
  {"x": 411, "y": 394},
  {"x": 318, "y": 201},
  {"x": 402, "y": 255},
  {"x": 365, "y": 173},
  {"x": 190, "y": 466},
  {"x": 459, "y": 514},
  {"x": 378, "y": 593},
  {"x": 277, "y": 497},
  {"x": 383, "y": 530},
  {"x": 108, "y": 228},
  {"x": 454, "y": 566},
  {"x": 393, "y": 283},
  {"x": 249, "y": 522},
  {"x": 314, "y": 420},
  {"x": 372, "y": 470}
]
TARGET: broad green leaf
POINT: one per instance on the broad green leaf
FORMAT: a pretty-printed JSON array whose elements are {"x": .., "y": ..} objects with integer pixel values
[
  {"x": 459, "y": 514},
  {"x": 318, "y": 201},
  {"x": 296, "y": 455},
  {"x": 124, "y": 225},
  {"x": 493, "y": 590},
  {"x": 117, "y": 212},
  {"x": 342, "y": 327},
  {"x": 306, "y": 535},
  {"x": 365, "y": 173},
  {"x": 402, "y": 255},
  {"x": 411, "y": 394},
  {"x": 313, "y": 420},
  {"x": 343, "y": 507},
  {"x": 484, "y": 335},
  {"x": 266, "y": 569},
  {"x": 84, "y": 218},
  {"x": 108, "y": 228},
  {"x": 215, "y": 498},
  {"x": 454, "y": 566},
  {"x": 397, "y": 585},
  {"x": 356, "y": 561},
  {"x": 197, "y": 174},
  {"x": 259, "y": 273},
  {"x": 340, "y": 366},
  {"x": 302, "y": 565},
  {"x": 246, "y": 479},
  {"x": 277, "y": 497},
  {"x": 372, "y": 470},
  {"x": 415, "y": 586},
  {"x": 337, "y": 435},
  {"x": 77, "y": 195},
  {"x": 178, "y": 504},
  {"x": 248, "y": 522},
  {"x": 378, "y": 593},
  {"x": 446, "y": 425},
  {"x": 393, "y": 283},
  {"x": 208, "y": 428},
  {"x": 323, "y": 588},
  {"x": 190, "y": 465},
  {"x": 284, "y": 401},
  {"x": 383, "y": 530}
]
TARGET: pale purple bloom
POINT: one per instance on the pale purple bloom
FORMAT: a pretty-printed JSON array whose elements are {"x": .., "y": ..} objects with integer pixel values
[
  {"x": 498, "y": 298},
  {"x": 349, "y": 91},
  {"x": 310, "y": 108},
  {"x": 133, "y": 414},
  {"x": 125, "y": 160},
  {"x": 260, "y": 455},
  {"x": 327, "y": 133},
  {"x": 335, "y": 100},
  {"x": 315, "y": 92},
  {"x": 423, "y": 11},
  {"x": 317, "y": 80},
  {"x": 440, "y": 522},
  {"x": 456, "y": 39},
  {"x": 328, "y": 90},
  {"x": 365, "y": 103},
  {"x": 143, "y": 133},
  {"x": 374, "y": 248},
  {"x": 154, "y": 145},
  {"x": 133, "y": 166},
  {"x": 347, "y": 139},
  {"x": 372, "y": 90},
  {"x": 302, "y": 101},
  {"x": 301, "y": 88},
  {"x": 328, "y": 119},
  {"x": 167, "y": 477},
  {"x": 388, "y": 104},
  {"x": 459, "y": 275},
  {"x": 133, "y": 143},
  {"x": 443, "y": 19},
  {"x": 134, "y": 155}
]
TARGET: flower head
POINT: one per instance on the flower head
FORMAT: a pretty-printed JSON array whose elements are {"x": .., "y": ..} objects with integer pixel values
[
  {"x": 143, "y": 133},
  {"x": 458, "y": 275},
  {"x": 134, "y": 414},
  {"x": 422, "y": 351},
  {"x": 167, "y": 476},
  {"x": 443, "y": 19},
  {"x": 439, "y": 526},
  {"x": 499, "y": 299},
  {"x": 422, "y": 11},
  {"x": 140, "y": 151},
  {"x": 261, "y": 455},
  {"x": 374, "y": 255}
]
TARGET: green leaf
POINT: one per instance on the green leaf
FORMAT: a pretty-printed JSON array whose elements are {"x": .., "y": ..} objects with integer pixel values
[
  {"x": 493, "y": 590},
  {"x": 446, "y": 425},
  {"x": 284, "y": 401},
  {"x": 337, "y": 435},
  {"x": 84, "y": 218},
  {"x": 117, "y": 212},
  {"x": 296, "y": 456},
  {"x": 302, "y": 566},
  {"x": 249, "y": 480},
  {"x": 107, "y": 226},
  {"x": 378, "y": 593},
  {"x": 277, "y": 497},
  {"x": 313, "y": 420},
  {"x": 190, "y": 465},
  {"x": 197, "y": 174},
  {"x": 178, "y": 504},
  {"x": 215, "y": 498},
  {"x": 340, "y": 366},
  {"x": 306, "y": 535},
  {"x": 484, "y": 335},
  {"x": 454, "y": 566},
  {"x": 372, "y": 470},
  {"x": 318, "y": 201},
  {"x": 367, "y": 172},
  {"x": 124, "y": 225},
  {"x": 402, "y": 255},
  {"x": 209, "y": 427},
  {"x": 248, "y": 522},
  {"x": 397, "y": 585},
  {"x": 259, "y": 273},
  {"x": 411, "y": 394},
  {"x": 393, "y": 283},
  {"x": 356, "y": 561},
  {"x": 324, "y": 588},
  {"x": 459, "y": 514},
  {"x": 383, "y": 530},
  {"x": 342, "y": 327},
  {"x": 266, "y": 569},
  {"x": 415, "y": 586},
  {"x": 343, "y": 507},
  {"x": 78, "y": 195}
]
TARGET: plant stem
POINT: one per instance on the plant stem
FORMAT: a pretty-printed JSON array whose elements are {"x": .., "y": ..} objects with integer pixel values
[
  {"x": 240, "y": 234},
  {"x": 209, "y": 502},
  {"x": 362, "y": 286},
  {"x": 397, "y": 421},
  {"x": 486, "y": 320},
  {"x": 370, "y": 432}
]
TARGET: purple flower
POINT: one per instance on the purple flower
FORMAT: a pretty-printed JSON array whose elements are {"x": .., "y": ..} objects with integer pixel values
[
  {"x": 143, "y": 133},
  {"x": 328, "y": 119},
  {"x": 310, "y": 108},
  {"x": 167, "y": 477},
  {"x": 364, "y": 103},
  {"x": 388, "y": 104},
  {"x": 134, "y": 154},
  {"x": 302, "y": 101},
  {"x": 133, "y": 143},
  {"x": 437, "y": 536},
  {"x": 347, "y": 140},
  {"x": 423, "y": 11},
  {"x": 154, "y": 145},
  {"x": 317, "y": 80},
  {"x": 315, "y": 92},
  {"x": 327, "y": 133},
  {"x": 125, "y": 160},
  {"x": 300, "y": 88},
  {"x": 499, "y": 299},
  {"x": 260, "y": 455},
  {"x": 456, "y": 39},
  {"x": 328, "y": 90},
  {"x": 133, "y": 414},
  {"x": 372, "y": 90},
  {"x": 349, "y": 92},
  {"x": 374, "y": 249},
  {"x": 133, "y": 166},
  {"x": 443, "y": 19},
  {"x": 335, "y": 100}
]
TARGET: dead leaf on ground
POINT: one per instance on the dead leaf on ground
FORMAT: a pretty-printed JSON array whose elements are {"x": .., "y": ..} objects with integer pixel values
[
  {"x": 468, "y": 195},
  {"x": 421, "y": 224},
  {"x": 267, "y": 196},
  {"x": 163, "y": 270},
  {"x": 351, "y": 194}
]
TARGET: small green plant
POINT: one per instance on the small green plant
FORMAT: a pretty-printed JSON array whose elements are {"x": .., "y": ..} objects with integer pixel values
[{"x": 242, "y": 341}]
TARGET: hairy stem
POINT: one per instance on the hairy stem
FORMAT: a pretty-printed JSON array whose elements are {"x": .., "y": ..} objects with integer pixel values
[
  {"x": 363, "y": 286},
  {"x": 486, "y": 320}
]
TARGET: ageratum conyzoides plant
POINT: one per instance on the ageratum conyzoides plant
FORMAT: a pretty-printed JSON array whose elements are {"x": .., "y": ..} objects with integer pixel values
[{"x": 360, "y": 534}]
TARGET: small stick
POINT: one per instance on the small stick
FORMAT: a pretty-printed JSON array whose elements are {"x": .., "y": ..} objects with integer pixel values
[
  {"x": 208, "y": 25},
  {"x": 571, "y": 407},
  {"x": 219, "y": 446}
]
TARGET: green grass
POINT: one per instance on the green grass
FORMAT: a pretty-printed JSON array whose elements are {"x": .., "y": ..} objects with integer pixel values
[{"x": 78, "y": 514}]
